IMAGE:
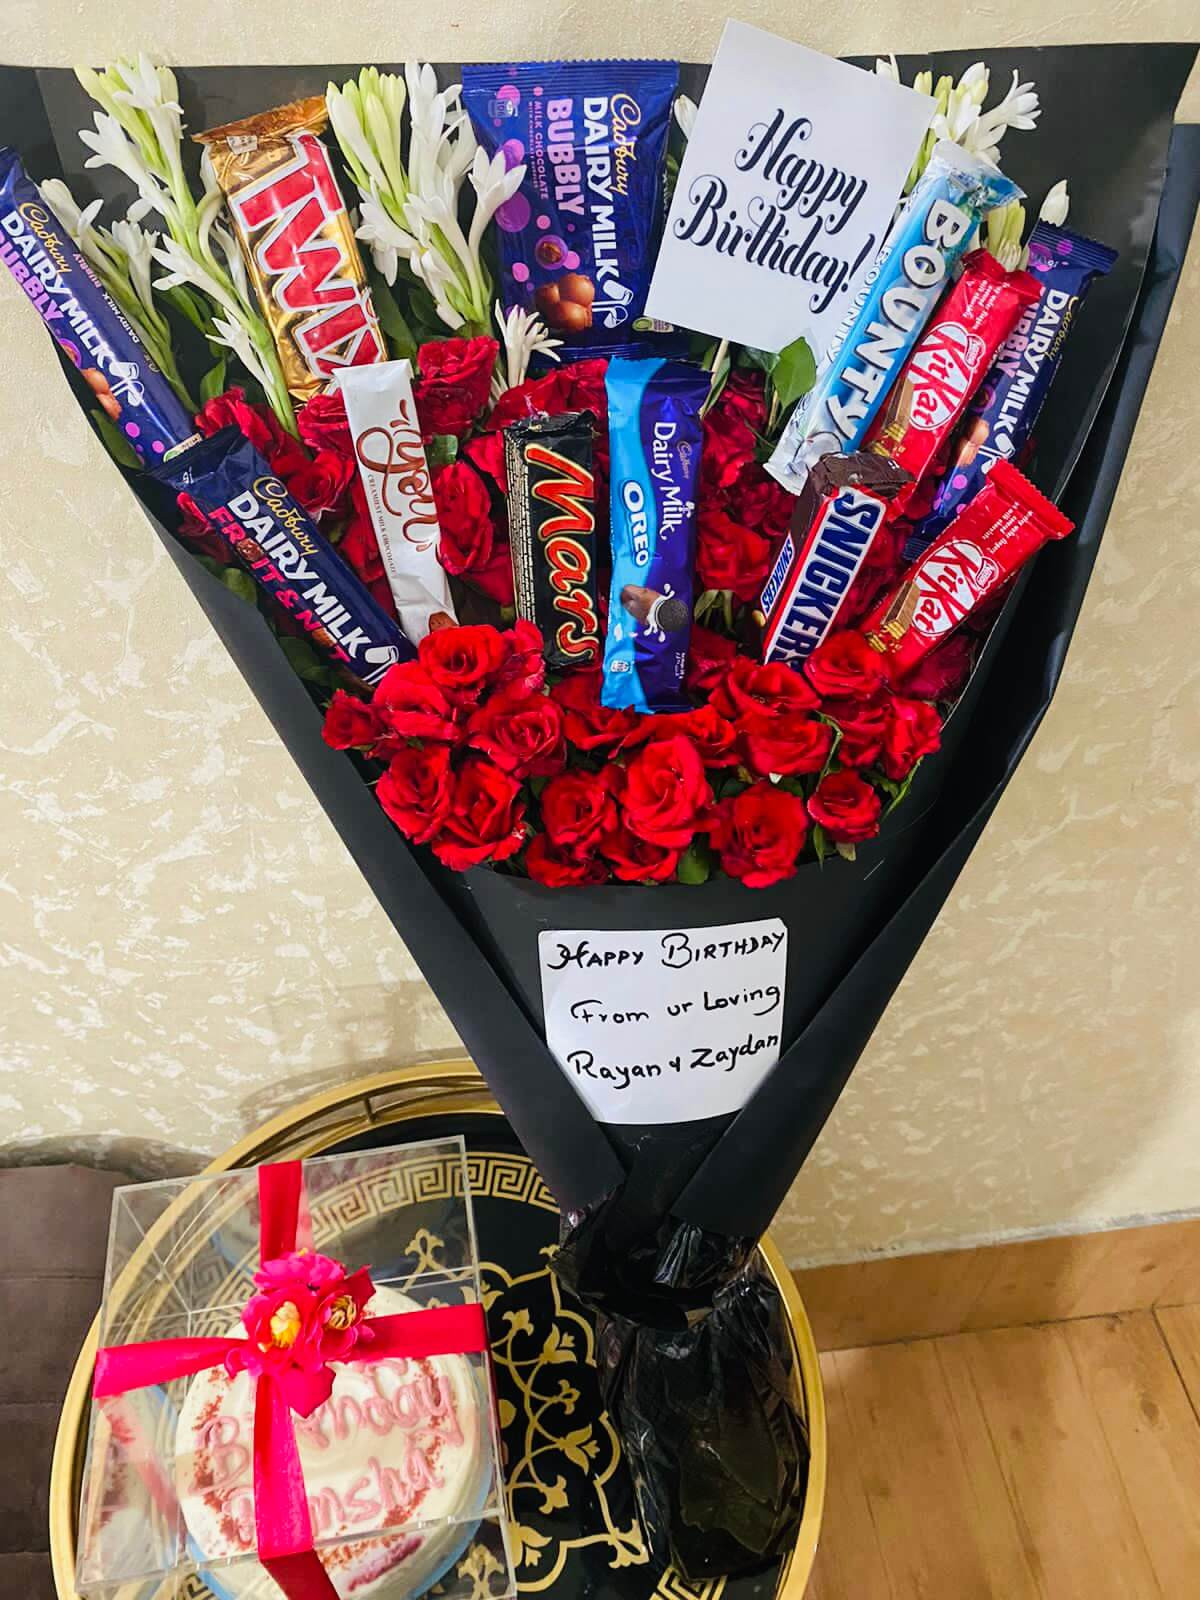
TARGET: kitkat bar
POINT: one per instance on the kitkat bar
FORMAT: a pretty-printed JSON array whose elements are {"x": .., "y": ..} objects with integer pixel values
[
  {"x": 946, "y": 366},
  {"x": 298, "y": 242},
  {"x": 990, "y": 540},
  {"x": 552, "y": 533}
]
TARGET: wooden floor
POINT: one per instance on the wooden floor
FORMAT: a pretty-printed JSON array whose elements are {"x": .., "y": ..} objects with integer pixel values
[{"x": 1051, "y": 1462}]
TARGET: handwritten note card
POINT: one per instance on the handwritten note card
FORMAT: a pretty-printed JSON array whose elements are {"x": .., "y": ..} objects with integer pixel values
[
  {"x": 785, "y": 192},
  {"x": 668, "y": 1024}
]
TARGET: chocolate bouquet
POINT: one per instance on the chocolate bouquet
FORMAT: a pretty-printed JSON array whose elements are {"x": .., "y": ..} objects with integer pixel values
[{"x": 659, "y": 630}]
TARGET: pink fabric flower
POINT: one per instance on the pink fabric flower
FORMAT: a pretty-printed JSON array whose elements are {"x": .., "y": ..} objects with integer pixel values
[{"x": 309, "y": 1312}]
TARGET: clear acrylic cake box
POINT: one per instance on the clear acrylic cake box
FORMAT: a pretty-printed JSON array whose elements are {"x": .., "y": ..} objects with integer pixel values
[{"x": 400, "y": 1465}]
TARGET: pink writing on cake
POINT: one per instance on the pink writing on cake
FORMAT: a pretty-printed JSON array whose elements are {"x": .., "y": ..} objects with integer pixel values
[
  {"x": 368, "y": 1500},
  {"x": 421, "y": 1404}
]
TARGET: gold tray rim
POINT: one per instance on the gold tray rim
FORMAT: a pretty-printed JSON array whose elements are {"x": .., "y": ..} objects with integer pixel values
[{"x": 432, "y": 1088}]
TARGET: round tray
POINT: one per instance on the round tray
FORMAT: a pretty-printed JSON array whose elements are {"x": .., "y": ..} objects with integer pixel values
[{"x": 595, "y": 1555}]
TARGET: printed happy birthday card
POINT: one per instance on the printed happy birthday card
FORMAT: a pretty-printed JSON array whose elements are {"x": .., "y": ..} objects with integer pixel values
[{"x": 785, "y": 192}]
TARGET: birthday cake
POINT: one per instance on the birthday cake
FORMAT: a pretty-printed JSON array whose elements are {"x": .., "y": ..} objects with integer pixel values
[{"x": 396, "y": 1462}]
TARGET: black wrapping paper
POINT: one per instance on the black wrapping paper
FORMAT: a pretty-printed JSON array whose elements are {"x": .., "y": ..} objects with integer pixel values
[{"x": 660, "y": 1219}]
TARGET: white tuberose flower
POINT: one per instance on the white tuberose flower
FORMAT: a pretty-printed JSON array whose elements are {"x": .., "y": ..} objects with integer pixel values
[{"x": 523, "y": 334}]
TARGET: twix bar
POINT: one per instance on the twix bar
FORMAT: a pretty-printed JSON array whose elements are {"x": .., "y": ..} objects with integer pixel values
[{"x": 298, "y": 242}]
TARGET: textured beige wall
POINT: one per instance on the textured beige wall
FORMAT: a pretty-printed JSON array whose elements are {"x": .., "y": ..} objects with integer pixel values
[{"x": 185, "y": 946}]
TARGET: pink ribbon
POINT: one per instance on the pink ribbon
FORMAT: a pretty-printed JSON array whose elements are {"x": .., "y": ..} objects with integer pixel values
[{"x": 282, "y": 1525}]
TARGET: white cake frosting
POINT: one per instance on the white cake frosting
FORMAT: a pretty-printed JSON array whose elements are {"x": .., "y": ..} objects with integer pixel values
[{"x": 399, "y": 1444}]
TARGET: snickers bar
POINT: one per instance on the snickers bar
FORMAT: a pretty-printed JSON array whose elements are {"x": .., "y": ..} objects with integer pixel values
[
  {"x": 552, "y": 532},
  {"x": 842, "y": 507},
  {"x": 243, "y": 501}
]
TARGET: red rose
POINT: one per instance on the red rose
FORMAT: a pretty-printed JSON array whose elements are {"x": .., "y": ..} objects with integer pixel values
[
  {"x": 359, "y": 546},
  {"x": 323, "y": 424},
  {"x": 728, "y": 446},
  {"x": 259, "y": 424},
  {"x": 486, "y": 819},
  {"x": 578, "y": 810},
  {"x": 744, "y": 396},
  {"x": 495, "y": 580},
  {"x": 635, "y": 860},
  {"x": 846, "y": 807},
  {"x": 863, "y": 724},
  {"x": 845, "y": 667},
  {"x": 413, "y": 706},
  {"x": 791, "y": 743},
  {"x": 464, "y": 510},
  {"x": 667, "y": 797},
  {"x": 760, "y": 834},
  {"x": 578, "y": 386},
  {"x": 322, "y": 484},
  {"x": 590, "y": 725},
  {"x": 524, "y": 667},
  {"x": 486, "y": 452},
  {"x": 729, "y": 556},
  {"x": 713, "y": 736},
  {"x": 463, "y": 662},
  {"x": 558, "y": 869},
  {"x": 417, "y": 791},
  {"x": 710, "y": 656},
  {"x": 581, "y": 386},
  {"x": 944, "y": 670},
  {"x": 914, "y": 729},
  {"x": 522, "y": 733},
  {"x": 199, "y": 532},
  {"x": 751, "y": 686},
  {"x": 351, "y": 723},
  {"x": 452, "y": 389},
  {"x": 761, "y": 503}
]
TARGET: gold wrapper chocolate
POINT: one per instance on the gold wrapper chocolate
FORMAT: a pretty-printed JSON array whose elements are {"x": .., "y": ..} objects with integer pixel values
[{"x": 298, "y": 242}]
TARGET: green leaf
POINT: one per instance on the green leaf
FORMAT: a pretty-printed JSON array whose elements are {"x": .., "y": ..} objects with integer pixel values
[
  {"x": 898, "y": 791},
  {"x": 304, "y": 660},
  {"x": 794, "y": 373},
  {"x": 402, "y": 343},
  {"x": 820, "y": 841},
  {"x": 694, "y": 865},
  {"x": 443, "y": 448},
  {"x": 182, "y": 300},
  {"x": 241, "y": 583},
  {"x": 115, "y": 442},
  {"x": 670, "y": 179},
  {"x": 764, "y": 360},
  {"x": 845, "y": 849},
  {"x": 213, "y": 382}
]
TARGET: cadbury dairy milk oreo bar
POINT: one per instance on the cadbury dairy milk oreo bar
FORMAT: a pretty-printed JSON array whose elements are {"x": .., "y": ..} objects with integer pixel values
[
  {"x": 655, "y": 433},
  {"x": 905, "y": 283},
  {"x": 244, "y": 502},
  {"x": 578, "y": 239},
  {"x": 85, "y": 321}
]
